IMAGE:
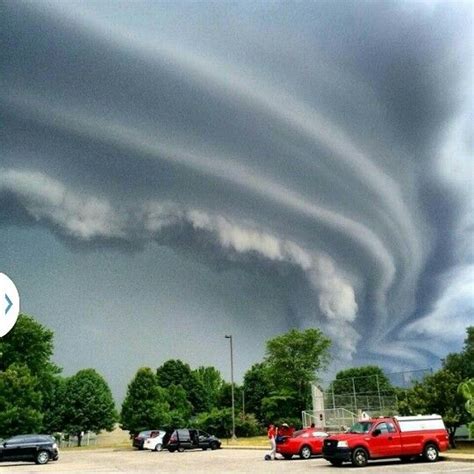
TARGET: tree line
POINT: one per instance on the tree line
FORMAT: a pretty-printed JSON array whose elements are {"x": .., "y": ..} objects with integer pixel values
[{"x": 35, "y": 397}]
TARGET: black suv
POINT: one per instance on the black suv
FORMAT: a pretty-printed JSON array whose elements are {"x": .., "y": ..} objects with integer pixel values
[
  {"x": 35, "y": 447},
  {"x": 192, "y": 439}
]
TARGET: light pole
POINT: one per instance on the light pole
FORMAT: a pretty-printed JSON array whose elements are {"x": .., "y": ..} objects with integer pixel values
[{"x": 232, "y": 384}]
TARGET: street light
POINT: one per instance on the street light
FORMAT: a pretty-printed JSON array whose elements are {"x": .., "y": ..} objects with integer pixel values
[{"x": 232, "y": 384}]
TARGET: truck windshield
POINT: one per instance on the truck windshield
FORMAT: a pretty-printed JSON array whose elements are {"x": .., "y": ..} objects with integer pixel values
[{"x": 361, "y": 427}]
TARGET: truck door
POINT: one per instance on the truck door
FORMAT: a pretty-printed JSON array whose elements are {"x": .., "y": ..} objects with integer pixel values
[{"x": 385, "y": 441}]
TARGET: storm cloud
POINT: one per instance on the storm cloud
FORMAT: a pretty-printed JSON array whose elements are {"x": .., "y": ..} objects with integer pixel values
[{"x": 324, "y": 148}]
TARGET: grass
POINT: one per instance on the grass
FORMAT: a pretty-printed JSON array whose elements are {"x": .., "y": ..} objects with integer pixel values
[
  {"x": 118, "y": 439},
  {"x": 257, "y": 441},
  {"x": 463, "y": 447}
]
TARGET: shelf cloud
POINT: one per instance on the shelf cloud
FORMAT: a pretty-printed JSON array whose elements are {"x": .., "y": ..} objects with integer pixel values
[{"x": 323, "y": 148}]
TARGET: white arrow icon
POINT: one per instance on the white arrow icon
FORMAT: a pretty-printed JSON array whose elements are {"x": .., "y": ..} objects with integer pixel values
[{"x": 11, "y": 307}]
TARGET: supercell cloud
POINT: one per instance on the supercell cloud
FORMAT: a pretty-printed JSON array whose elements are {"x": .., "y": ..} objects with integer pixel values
[{"x": 323, "y": 148}]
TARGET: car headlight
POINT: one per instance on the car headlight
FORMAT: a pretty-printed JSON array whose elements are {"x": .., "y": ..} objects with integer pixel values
[
  {"x": 342, "y": 444},
  {"x": 55, "y": 446}
]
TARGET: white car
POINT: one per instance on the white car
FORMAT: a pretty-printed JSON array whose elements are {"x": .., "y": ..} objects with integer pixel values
[{"x": 156, "y": 442}]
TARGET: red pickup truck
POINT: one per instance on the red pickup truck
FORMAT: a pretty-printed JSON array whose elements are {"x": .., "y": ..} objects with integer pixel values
[{"x": 402, "y": 437}]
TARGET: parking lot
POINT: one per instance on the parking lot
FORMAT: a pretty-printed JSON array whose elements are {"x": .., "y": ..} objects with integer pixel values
[{"x": 220, "y": 461}]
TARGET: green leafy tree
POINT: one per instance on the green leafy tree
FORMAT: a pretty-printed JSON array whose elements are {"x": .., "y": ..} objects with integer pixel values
[
  {"x": 257, "y": 386},
  {"x": 146, "y": 404},
  {"x": 225, "y": 397},
  {"x": 219, "y": 423},
  {"x": 176, "y": 372},
  {"x": 20, "y": 401},
  {"x": 462, "y": 363},
  {"x": 89, "y": 405},
  {"x": 180, "y": 407},
  {"x": 212, "y": 381},
  {"x": 466, "y": 389},
  {"x": 292, "y": 361},
  {"x": 279, "y": 407},
  {"x": 366, "y": 380},
  {"x": 437, "y": 393},
  {"x": 28, "y": 343},
  {"x": 53, "y": 390}
]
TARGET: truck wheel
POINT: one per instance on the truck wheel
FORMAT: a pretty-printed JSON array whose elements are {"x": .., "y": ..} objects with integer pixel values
[
  {"x": 430, "y": 453},
  {"x": 359, "y": 457},
  {"x": 214, "y": 446},
  {"x": 180, "y": 449}
]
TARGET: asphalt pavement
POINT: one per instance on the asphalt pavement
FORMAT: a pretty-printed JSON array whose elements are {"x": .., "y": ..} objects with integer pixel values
[{"x": 220, "y": 461}]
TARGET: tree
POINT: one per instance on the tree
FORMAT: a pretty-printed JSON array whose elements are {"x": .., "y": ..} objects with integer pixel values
[
  {"x": 53, "y": 390},
  {"x": 180, "y": 407},
  {"x": 28, "y": 343},
  {"x": 466, "y": 389},
  {"x": 219, "y": 423},
  {"x": 292, "y": 360},
  {"x": 369, "y": 379},
  {"x": 225, "y": 397},
  {"x": 146, "y": 404},
  {"x": 368, "y": 383},
  {"x": 20, "y": 401},
  {"x": 437, "y": 393},
  {"x": 89, "y": 405},
  {"x": 176, "y": 372},
  {"x": 26, "y": 351},
  {"x": 279, "y": 407},
  {"x": 256, "y": 387},
  {"x": 212, "y": 381},
  {"x": 462, "y": 363}
]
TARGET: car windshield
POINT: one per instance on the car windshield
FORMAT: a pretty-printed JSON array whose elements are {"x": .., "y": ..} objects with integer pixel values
[
  {"x": 361, "y": 427},
  {"x": 144, "y": 433}
]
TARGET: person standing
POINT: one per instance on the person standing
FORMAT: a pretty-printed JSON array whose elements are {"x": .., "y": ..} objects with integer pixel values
[{"x": 272, "y": 434}]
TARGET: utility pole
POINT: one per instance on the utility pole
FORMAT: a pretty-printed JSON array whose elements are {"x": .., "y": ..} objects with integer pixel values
[{"x": 232, "y": 385}]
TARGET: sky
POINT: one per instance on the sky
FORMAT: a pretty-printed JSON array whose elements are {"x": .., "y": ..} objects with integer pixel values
[{"x": 175, "y": 171}]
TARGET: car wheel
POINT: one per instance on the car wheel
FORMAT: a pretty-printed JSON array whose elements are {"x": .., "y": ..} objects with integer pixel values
[
  {"x": 180, "y": 449},
  {"x": 204, "y": 448},
  {"x": 359, "y": 457},
  {"x": 158, "y": 447},
  {"x": 305, "y": 452},
  {"x": 287, "y": 456},
  {"x": 430, "y": 453},
  {"x": 336, "y": 462},
  {"x": 214, "y": 445},
  {"x": 171, "y": 450},
  {"x": 42, "y": 457}
]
